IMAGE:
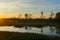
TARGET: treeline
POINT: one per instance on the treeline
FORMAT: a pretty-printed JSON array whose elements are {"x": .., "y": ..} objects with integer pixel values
[
  {"x": 42, "y": 16},
  {"x": 17, "y": 22}
]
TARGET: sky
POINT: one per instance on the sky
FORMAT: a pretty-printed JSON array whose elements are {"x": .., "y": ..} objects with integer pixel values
[{"x": 10, "y": 8}]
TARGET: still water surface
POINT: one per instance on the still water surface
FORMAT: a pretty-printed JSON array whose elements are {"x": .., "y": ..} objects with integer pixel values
[{"x": 44, "y": 30}]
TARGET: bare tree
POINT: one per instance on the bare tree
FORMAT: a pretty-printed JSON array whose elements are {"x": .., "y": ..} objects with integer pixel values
[
  {"x": 20, "y": 15},
  {"x": 30, "y": 16},
  {"x": 41, "y": 14},
  {"x": 51, "y": 15}
]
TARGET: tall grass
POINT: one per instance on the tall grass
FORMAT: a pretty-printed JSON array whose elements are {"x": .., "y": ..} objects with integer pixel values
[{"x": 25, "y": 36}]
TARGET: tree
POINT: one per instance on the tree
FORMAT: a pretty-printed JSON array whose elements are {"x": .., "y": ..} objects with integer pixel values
[
  {"x": 30, "y": 15},
  {"x": 57, "y": 15},
  {"x": 41, "y": 14},
  {"x": 20, "y": 15},
  {"x": 26, "y": 16},
  {"x": 51, "y": 15}
]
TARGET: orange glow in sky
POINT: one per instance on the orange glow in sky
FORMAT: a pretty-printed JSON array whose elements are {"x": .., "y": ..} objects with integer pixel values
[
  {"x": 16, "y": 15},
  {"x": 12, "y": 8}
]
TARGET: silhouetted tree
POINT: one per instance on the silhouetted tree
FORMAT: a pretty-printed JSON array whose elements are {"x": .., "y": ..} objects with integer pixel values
[
  {"x": 26, "y": 16},
  {"x": 20, "y": 15},
  {"x": 43, "y": 17},
  {"x": 41, "y": 14},
  {"x": 30, "y": 16},
  {"x": 57, "y": 15},
  {"x": 51, "y": 15}
]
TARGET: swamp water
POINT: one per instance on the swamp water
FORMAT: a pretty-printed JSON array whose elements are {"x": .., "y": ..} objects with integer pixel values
[{"x": 44, "y": 30}]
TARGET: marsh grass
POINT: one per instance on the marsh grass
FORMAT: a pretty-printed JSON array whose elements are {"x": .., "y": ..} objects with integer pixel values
[{"x": 25, "y": 36}]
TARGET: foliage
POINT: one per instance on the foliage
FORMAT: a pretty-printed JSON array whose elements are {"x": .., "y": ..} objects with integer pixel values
[
  {"x": 57, "y": 15},
  {"x": 25, "y": 36}
]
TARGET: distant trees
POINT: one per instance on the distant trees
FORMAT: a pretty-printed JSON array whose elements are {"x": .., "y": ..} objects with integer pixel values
[
  {"x": 26, "y": 16},
  {"x": 57, "y": 15},
  {"x": 41, "y": 14},
  {"x": 30, "y": 16},
  {"x": 20, "y": 15},
  {"x": 51, "y": 15}
]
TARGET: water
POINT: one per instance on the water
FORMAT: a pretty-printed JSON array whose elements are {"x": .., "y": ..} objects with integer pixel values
[{"x": 44, "y": 30}]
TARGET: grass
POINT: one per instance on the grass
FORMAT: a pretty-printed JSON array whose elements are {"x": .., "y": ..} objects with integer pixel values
[
  {"x": 30, "y": 22},
  {"x": 25, "y": 36}
]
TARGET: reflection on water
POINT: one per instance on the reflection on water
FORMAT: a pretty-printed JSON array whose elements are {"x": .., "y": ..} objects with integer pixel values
[{"x": 44, "y": 30}]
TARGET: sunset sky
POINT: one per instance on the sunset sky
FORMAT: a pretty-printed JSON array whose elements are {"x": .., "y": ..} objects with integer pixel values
[{"x": 11, "y": 8}]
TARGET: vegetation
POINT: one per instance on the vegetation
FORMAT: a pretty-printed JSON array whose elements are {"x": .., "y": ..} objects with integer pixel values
[
  {"x": 25, "y": 36},
  {"x": 57, "y": 15},
  {"x": 29, "y": 22},
  {"x": 17, "y": 22}
]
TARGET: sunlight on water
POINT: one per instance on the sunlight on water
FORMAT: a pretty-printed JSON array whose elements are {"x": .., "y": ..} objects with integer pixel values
[{"x": 9, "y": 28}]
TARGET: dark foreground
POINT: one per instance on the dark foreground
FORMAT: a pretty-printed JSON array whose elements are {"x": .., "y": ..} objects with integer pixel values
[{"x": 25, "y": 36}]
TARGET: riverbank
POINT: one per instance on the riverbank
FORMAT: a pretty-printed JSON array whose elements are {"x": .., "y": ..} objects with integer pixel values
[
  {"x": 30, "y": 22},
  {"x": 51, "y": 31},
  {"x": 25, "y": 36}
]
